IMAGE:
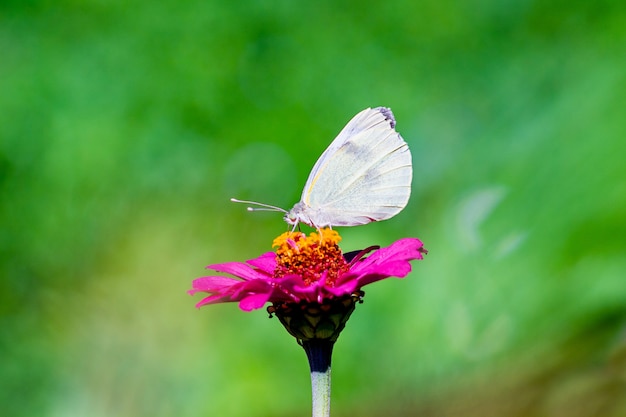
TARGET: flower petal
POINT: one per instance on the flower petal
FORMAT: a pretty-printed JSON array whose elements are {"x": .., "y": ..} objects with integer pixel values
[
  {"x": 347, "y": 287},
  {"x": 212, "y": 284},
  {"x": 252, "y": 302},
  {"x": 213, "y": 299},
  {"x": 265, "y": 262},
  {"x": 391, "y": 261},
  {"x": 401, "y": 251},
  {"x": 238, "y": 269}
]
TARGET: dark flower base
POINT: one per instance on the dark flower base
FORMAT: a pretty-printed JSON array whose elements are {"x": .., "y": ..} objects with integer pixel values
[
  {"x": 319, "y": 353},
  {"x": 317, "y": 326},
  {"x": 307, "y": 321}
]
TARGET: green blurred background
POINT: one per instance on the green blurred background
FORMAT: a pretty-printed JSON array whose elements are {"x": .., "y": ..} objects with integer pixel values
[{"x": 126, "y": 126}]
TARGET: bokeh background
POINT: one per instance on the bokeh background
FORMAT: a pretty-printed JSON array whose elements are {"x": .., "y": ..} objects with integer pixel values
[{"x": 125, "y": 127}]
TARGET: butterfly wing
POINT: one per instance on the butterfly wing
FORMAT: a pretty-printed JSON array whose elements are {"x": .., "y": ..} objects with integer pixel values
[{"x": 364, "y": 175}]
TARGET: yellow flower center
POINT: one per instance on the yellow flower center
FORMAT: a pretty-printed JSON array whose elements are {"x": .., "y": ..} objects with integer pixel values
[{"x": 310, "y": 256}]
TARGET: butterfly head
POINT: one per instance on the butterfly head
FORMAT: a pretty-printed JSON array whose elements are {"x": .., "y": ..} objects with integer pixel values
[
  {"x": 291, "y": 219},
  {"x": 296, "y": 215}
]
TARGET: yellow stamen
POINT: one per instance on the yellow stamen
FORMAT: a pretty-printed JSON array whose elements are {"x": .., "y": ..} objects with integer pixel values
[{"x": 310, "y": 256}]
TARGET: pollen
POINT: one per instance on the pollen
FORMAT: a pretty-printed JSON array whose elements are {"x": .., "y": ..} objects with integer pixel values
[{"x": 313, "y": 257}]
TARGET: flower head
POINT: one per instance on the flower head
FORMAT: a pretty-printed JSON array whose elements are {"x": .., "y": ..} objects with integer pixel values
[{"x": 310, "y": 269}]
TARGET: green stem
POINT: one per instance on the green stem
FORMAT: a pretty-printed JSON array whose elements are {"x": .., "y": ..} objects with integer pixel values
[{"x": 319, "y": 353}]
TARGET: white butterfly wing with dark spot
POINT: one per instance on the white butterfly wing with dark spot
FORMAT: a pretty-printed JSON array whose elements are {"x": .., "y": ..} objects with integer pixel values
[{"x": 364, "y": 175}]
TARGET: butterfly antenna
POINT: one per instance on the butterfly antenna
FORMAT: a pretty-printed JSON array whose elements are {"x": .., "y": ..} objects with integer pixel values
[{"x": 261, "y": 206}]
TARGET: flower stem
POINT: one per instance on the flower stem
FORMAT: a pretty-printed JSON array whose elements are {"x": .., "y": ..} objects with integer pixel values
[{"x": 319, "y": 353}]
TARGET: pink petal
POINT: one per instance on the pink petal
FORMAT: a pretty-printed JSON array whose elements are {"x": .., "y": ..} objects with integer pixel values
[
  {"x": 252, "y": 302},
  {"x": 346, "y": 288},
  {"x": 265, "y": 262},
  {"x": 251, "y": 287},
  {"x": 391, "y": 261},
  {"x": 212, "y": 300},
  {"x": 239, "y": 270},
  {"x": 388, "y": 260},
  {"x": 212, "y": 284}
]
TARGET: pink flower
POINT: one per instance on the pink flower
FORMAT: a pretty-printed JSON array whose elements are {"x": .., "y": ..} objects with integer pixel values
[{"x": 305, "y": 269}]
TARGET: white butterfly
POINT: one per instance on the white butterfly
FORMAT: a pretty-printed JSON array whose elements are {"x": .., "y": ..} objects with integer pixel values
[{"x": 364, "y": 176}]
